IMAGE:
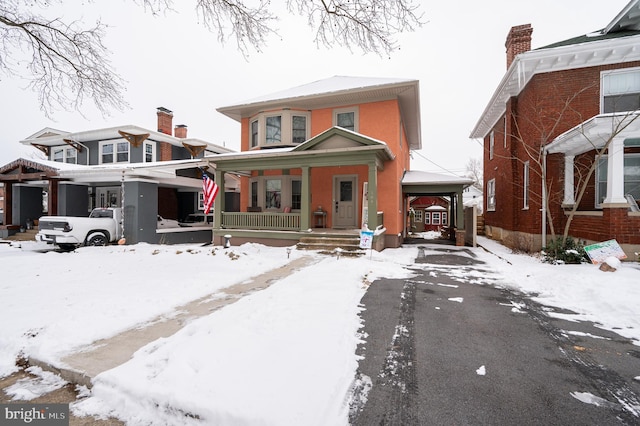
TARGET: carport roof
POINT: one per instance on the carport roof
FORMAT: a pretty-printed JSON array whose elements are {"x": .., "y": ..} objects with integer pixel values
[{"x": 416, "y": 182}]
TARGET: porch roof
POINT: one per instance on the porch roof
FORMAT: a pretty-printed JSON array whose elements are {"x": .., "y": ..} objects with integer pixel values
[
  {"x": 312, "y": 152},
  {"x": 595, "y": 133}
]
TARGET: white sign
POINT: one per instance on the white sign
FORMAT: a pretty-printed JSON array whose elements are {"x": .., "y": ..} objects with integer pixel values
[
  {"x": 599, "y": 252},
  {"x": 366, "y": 239}
]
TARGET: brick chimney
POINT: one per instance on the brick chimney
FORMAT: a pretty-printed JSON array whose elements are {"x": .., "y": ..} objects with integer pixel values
[
  {"x": 518, "y": 41},
  {"x": 180, "y": 131},
  {"x": 165, "y": 125}
]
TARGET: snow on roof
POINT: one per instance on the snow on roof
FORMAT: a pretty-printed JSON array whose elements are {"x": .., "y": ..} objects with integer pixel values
[
  {"x": 327, "y": 86},
  {"x": 417, "y": 177}
]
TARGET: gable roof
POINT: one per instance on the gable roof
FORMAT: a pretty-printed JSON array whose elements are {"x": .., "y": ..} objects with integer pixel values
[
  {"x": 617, "y": 43},
  {"x": 338, "y": 91}
]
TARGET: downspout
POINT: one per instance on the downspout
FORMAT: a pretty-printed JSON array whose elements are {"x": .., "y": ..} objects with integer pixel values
[{"x": 544, "y": 197}]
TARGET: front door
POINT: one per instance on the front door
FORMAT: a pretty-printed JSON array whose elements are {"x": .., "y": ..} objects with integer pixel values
[{"x": 345, "y": 202}]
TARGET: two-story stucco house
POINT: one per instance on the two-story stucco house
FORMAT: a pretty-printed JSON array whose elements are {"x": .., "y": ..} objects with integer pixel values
[
  {"x": 566, "y": 113},
  {"x": 148, "y": 173},
  {"x": 329, "y": 156}
]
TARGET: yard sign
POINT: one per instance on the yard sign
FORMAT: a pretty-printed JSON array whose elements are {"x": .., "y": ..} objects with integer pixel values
[{"x": 599, "y": 252}]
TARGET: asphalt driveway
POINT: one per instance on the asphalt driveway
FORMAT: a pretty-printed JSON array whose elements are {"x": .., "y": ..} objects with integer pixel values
[{"x": 441, "y": 350}]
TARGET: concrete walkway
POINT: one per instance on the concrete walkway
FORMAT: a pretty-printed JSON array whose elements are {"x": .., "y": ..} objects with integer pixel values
[{"x": 82, "y": 366}]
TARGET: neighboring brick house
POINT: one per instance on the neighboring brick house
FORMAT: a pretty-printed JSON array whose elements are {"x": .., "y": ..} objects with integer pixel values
[
  {"x": 430, "y": 213},
  {"x": 328, "y": 156},
  {"x": 554, "y": 108},
  {"x": 147, "y": 172}
]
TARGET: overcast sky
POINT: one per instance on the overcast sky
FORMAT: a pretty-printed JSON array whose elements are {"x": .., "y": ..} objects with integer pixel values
[{"x": 172, "y": 61}]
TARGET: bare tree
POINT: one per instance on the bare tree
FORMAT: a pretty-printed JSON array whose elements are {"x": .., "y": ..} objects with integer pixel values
[
  {"x": 474, "y": 171},
  {"x": 67, "y": 63}
]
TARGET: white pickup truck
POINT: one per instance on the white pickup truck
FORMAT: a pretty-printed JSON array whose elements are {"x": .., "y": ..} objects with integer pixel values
[{"x": 103, "y": 226}]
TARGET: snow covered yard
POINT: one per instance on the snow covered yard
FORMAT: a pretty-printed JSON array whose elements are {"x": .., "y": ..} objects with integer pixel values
[{"x": 284, "y": 355}]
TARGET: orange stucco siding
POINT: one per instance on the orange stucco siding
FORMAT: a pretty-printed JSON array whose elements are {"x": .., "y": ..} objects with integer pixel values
[{"x": 379, "y": 120}]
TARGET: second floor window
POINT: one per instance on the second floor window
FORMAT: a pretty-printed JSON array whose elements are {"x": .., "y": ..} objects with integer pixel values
[
  {"x": 274, "y": 129},
  {"x": 65, "y": 155},
  {"x": 289, "y": 127},
  {"x": 347, "y": 118},
  {"x": 620, "y": 90},
  {"x": 114, "y": 152},
  {"x": 254, "y": 133},
  {"x": 149, "y": 152}
]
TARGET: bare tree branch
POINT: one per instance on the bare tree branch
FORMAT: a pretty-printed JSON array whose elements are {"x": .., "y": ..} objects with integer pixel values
[{"x": 64, "y": 63}]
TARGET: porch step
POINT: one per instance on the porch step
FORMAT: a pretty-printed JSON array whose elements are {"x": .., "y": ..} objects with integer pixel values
[
  {"x": 27, "y": 235},
  {"x": 349, "y": 245}
]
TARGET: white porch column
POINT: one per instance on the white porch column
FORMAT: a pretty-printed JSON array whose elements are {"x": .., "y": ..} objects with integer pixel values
[
  {"x": 569, "y": 181},
  {"x": 615, "y": 174}
]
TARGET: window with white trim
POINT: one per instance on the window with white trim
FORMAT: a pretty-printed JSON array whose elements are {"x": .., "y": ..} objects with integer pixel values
[
  {"x": 444, "y": 218},
  {"x": 435, "y": 218},
  {"x": 347, "y": 118},
  {"x": 149, "y": 152},
  {"x": 631, "y": 177},
  {"x": 427, "y": 218},
  {"x": 114, "y": 152},
  {"x": 620, "y": 90},
  {"x": 254, "y": 134},
  {"x": 492, "y": 137},
  {"x": 282, "y": 128},
  {"x": 273, "y": 194},
  {"x": 525, "y": 186},
  {"x": 491, "y": 195},
  {"x": 64, "y": 154},
  {"x": 417, "y": 217}
]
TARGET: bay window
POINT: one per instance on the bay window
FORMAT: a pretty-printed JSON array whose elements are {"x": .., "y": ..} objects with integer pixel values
[{"x": 284, "y": 128}]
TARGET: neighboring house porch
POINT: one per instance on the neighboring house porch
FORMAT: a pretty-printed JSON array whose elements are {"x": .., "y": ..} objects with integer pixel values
[{"x": 609, "y": 206}]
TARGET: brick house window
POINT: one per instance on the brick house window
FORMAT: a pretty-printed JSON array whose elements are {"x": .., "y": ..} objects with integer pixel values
[
  {"x": 631, "y": 177},
  {"x": 492, "y": 137},
  {"x": 491, "y": 195},
  {"x": 525, "y": 186},
  {"x": 254, "y": 133},
  {"x": 620, "y": 90},
  {"x": 417, "y": 216}
]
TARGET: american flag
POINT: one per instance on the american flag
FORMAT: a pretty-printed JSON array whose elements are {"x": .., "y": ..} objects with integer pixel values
[{"x": 210, "y": 191}]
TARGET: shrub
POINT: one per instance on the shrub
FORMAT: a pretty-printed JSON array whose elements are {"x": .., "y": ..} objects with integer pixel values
[{"x": 571, "y": 251}]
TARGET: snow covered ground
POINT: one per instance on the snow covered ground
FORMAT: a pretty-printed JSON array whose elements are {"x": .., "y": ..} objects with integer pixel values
[{"x": 284, "y": 355}]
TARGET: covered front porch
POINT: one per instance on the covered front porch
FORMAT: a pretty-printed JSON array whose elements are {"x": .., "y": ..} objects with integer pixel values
[
  {"x": 328, "y": 184},
  {"x": 609, "y": 144}
]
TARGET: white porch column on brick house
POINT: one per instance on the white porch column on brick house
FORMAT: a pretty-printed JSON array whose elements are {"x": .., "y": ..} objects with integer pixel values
[
  {"x": 615, "y": 174},
  {"x": 569, "y": 181}
]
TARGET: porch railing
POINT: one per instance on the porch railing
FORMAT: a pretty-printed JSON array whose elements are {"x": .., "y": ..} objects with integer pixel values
[{"x": 264, "y": 220}]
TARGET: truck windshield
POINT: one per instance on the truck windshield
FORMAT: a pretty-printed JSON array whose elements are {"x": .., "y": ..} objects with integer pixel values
[{"x": 101, "y": 213}]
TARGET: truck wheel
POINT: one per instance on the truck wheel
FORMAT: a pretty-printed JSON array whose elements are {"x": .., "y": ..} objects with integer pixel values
[{"x": 97, "y": 239}]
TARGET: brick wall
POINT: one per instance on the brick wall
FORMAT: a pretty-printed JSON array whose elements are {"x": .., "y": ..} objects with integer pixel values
[{"x": 551, "y": 104}]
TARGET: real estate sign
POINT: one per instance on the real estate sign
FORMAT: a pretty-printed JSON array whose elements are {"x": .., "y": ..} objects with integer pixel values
[{"x": 599, "y": 252}]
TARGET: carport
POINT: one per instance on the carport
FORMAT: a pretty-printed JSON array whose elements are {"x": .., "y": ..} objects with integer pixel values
[{"x": 419, "y": 183}]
